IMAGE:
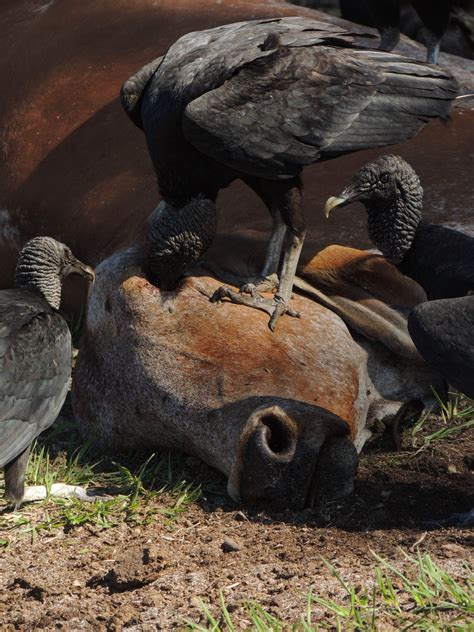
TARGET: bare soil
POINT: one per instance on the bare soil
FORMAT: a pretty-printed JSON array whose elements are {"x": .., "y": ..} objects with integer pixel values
[{"x": 138, "y": 576}]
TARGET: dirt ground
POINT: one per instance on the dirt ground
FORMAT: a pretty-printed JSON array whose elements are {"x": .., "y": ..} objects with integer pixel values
[{"x": 150, "y": 574}]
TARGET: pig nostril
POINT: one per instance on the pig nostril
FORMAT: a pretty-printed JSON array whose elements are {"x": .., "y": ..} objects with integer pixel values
[{"x": 278, "y": 435}]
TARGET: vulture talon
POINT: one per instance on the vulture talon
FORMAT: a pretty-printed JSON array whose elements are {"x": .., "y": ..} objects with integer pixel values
[
  {"x": 260, "y": 284},
  {"x": 281, "y": 308},
  {"x": 274, "y": 307},
  {"x": 220, "y": 294}
]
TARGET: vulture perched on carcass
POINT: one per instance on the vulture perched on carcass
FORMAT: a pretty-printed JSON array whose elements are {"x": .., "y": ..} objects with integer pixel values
[
  {"x": 438, "y": 258},
  {"x": 35, "y": 354},
  {"x": 258, "y": 101}
]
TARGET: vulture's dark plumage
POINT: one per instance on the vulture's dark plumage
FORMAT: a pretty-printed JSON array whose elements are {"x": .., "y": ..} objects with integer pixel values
[
  {"x": 35, "y": 353},
  {"x": 440, "y": 259},
  {"x": 434, "y": 14},
  {"x": 258, "y": 101},
  {"x": 443, "y": 333}
]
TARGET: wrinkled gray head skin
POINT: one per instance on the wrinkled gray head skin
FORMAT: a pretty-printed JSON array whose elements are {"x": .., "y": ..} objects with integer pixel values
[
  {"x": 178, "y": 237},
  {"x": 42, "y": 264},
  {"x": 391, "y": 192}
]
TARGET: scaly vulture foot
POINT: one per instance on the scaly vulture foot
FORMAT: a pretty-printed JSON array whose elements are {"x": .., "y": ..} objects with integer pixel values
[
  {"x": 275, "y": 306},
  {"x": 260, "y": 284}
]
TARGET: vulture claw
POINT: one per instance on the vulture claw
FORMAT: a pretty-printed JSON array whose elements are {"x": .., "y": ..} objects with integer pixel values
[
  {"x": 275, "y": 306},
  {"x": 260, "y": 284},
  {"x": 280, "y": 308}
]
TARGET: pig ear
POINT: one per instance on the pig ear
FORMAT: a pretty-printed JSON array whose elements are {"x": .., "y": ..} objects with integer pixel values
[{"x": 277, "y": 453}]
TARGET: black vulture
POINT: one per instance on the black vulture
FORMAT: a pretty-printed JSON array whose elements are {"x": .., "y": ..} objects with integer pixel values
[
  {"x": 35, "y": 353},
  {"x": 434, "y": 14},
  {"x": 443, "y": 333},
  {"x": 258, "y": 101},
  {"x": 449, "y": 23},
  {"x": 439, "y": 258}
]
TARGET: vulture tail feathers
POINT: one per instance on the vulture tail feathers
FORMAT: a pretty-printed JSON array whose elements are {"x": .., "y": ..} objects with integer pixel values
[
  {"x": 17, "y": 435},
  {"x": 410, "y": 94}
]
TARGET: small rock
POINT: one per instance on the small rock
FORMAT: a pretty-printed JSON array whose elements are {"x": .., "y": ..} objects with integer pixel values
[
  {"x": 453, "y": 550},
  {"x": 452, "y": 469},
  {"x": 195, "y": 601},
  {"x": 469, "y": 461},
  {"x": 229, "y": 546}
]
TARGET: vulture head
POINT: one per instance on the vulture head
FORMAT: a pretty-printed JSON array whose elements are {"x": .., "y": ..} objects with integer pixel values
[
  {"x": 43, "y": 263},
  {"x": 177, "y": 238},
  {"x": 393, "y": 197}
]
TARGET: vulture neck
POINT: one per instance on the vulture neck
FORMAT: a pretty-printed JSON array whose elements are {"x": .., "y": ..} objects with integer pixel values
[
  {"x": 178, "y": 235},
  {"x": 41, "y": 277},
  {"x": 392, "y": 224}
]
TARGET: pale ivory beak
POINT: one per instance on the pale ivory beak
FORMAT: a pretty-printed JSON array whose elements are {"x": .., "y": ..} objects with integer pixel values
[{"x": 332, "y": 203}]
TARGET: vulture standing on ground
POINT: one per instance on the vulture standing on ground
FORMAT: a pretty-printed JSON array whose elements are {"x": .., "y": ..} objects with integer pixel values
[
  {"x": 35, "y": 354},
  {"x": 258, "y": 101},
  {"x": 438, "y": 258}
]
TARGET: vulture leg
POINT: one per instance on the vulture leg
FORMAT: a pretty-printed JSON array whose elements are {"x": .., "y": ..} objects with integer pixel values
[
  {"x": 292, "y": 245},
  {"x": 292, "y": 250},
  {"x": 15, "y": 478},
  {"x": 17, "y": 493},
  {"x": 272, "y": 193},
  {"x": 284, "y": 202},
  {"x": 433, "y": 52},
  {"x": 386, "y": 16},
  {"x": 435, "y": 18},
  {"x": 268, "y": 279}
]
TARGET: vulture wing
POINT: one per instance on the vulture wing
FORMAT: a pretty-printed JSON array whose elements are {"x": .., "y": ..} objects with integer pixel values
[
  {"x": 35, "y": 368},
  {"x": 132, "y": 91},
  {"x": 443, "y": 333},
  {"x": 288, "y": 109}
]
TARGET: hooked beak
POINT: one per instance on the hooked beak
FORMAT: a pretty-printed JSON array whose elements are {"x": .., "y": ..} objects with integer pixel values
[
  {"x": 348, "y": 196},
  {"x": 77, "y": 267}
]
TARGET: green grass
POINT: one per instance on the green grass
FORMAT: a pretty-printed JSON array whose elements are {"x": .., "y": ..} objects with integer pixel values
[
  {"x": 423, "y": 598},
  {"x": 133, "y": 486},
  {"x": 457, "y": 416}
]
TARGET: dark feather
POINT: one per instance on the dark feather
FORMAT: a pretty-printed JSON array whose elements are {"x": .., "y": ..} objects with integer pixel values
[
  {"x": 35, "y": 368},
  {"x": 443, "y": 333},
  {"x": 269, "y": 109},
  {"x": 441, "y": 260},
  {"x": 133, "y": 89}
]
